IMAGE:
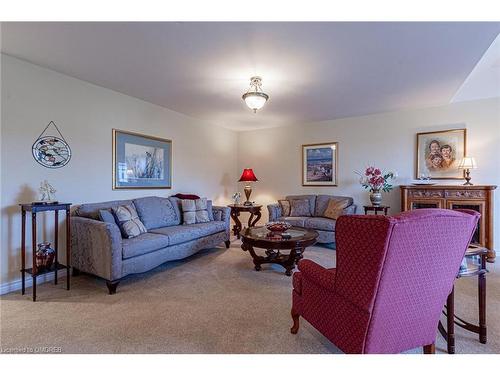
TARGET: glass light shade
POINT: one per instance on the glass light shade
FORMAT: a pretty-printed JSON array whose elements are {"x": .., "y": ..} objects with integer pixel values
[
  {"x": 467, "y": 163},
  {"x": 255, "y": 100}
]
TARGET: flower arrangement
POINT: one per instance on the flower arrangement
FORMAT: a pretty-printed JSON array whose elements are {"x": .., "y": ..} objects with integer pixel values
[{"x": 375, "y": 180}]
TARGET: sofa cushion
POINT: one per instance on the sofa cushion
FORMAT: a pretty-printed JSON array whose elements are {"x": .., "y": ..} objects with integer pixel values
[
  {"x": 194, "y": 211},
  {"x": 320, "y": 223},
  {"x": 311, "y": 198},
  {"x": 322, "y": 203},
  {"x": 143, "y": 244},
  {"x": 91, "y": 210},
  {"x": 285, "y": 207},
  {"x": 157, "y": 212},
  {"x": 184, "y": 233},
  {"x": 128, "y": 221},
  {"x": 107, "y": 216},
  {"x": 294, "y": 220},
  {"x": 300, "y": 207}
]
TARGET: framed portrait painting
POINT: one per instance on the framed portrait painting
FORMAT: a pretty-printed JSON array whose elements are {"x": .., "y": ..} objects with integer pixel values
[
  {"x": 319, "y": 164},
  {"x": 141, "y": 161},
  {"x": 438, "y": 154}
]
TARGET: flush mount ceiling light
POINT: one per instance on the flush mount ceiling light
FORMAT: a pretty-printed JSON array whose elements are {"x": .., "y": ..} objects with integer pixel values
[{"x": 254, "y": 98}]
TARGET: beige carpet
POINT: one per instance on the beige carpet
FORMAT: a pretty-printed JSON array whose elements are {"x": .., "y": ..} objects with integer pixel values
[{"x": 213, "y": 302}]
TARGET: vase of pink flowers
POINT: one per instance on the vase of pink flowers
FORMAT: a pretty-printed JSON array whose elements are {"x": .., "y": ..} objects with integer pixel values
[{"x": 376, "y": 181}]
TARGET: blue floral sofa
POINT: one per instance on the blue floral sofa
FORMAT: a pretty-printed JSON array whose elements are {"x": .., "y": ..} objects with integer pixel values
[{"x": 97, "y": 247}]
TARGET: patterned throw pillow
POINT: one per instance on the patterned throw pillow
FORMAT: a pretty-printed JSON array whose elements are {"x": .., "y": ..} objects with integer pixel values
[
  {"x": 195, "y": 211},
  {"x": 335, "y": 208},
  {"x": 300, "y": 207},
  {"x": 128, "y": 221},
  {"x": 285, "y": 207}
]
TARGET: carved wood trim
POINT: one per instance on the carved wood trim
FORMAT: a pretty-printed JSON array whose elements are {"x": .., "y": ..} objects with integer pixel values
[
  {"x": 466, "y": 194},
  {"x": 423, "y": 193}
]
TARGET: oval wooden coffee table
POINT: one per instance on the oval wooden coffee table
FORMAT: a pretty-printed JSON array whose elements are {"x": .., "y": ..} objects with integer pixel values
[{"x": 296, "y": 243}]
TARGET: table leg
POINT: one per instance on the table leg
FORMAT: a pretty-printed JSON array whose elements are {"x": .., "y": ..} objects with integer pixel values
[
  {"x": 450, "y": 320},
  {"x": 250, "y": 219},
  {"x": 257, "y": 218},
  {"x": 34, "y": 269},
  {"x": 293, "y": 258},
  {"x": 237, "y": 223},
  {"x": 366, "y": 211},
  {"x": 68, "y": 248},
  {"x": 482, "y": 308},
  {"x": 56, "y": 243},
  {"x": 23, "y": 251}
]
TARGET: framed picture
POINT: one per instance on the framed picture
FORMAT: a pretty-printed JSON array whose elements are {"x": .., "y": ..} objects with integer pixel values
[
  {"x": 141, "y": 161},
  {"x": 319, "y": 164},
  {"x": 438, "y": 154}
]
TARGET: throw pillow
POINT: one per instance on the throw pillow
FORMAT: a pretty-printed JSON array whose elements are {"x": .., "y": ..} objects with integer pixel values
[
  {"x": 195, "y": 211},
  {"x": 300, "y": 207},
  {"x": 285, "y": 207},
  {"x": 335, "y": 208},
  {"x": 186, "y": 196},
  {"x": 107, "y": 216},
  {"x": 128, "y": 221}
]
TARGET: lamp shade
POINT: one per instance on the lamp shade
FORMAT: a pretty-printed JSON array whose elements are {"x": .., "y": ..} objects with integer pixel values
[
  {"x": 467, "y": 163},
  {"x": 248, "y": 175}
]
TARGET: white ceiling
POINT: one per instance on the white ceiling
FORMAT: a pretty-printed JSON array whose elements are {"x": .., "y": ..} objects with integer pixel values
[
  {"x": 484, "y": 80},
  {"x": 311, "y": 71}
]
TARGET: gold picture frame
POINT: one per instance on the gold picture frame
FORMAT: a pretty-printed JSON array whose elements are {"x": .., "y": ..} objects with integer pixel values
[
  {"x": 320, "y": 164},
  {"x": 151, "y": 157},
  {"x": 438, "y": 154}
]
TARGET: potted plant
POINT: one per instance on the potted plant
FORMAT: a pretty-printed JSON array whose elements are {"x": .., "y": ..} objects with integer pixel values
[{"x": 376, "y": 181}]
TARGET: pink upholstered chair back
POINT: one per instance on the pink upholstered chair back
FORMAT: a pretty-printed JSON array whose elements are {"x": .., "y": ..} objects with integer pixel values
[{"x": 399, "y": 271}]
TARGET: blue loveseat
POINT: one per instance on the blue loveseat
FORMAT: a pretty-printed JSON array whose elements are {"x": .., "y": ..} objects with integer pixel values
[
  {"x": 97, "y": 247},
  {"x": 317, "y": 206}
]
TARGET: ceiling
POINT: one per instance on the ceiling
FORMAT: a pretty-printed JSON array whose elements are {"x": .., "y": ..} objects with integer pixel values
[{"x": 311, "y": 71}]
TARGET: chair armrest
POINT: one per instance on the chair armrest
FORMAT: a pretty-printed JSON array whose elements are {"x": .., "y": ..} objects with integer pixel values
[
  {"x": 223, "y": 213},
  {"x": 274, "y": 211},
  {"x": 317, "y": 274},
  {"x": 350, "y": 210},
  {"x": 96, "y": 247}
]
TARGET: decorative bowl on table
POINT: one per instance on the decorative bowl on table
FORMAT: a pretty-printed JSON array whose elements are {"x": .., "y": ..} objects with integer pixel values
[{"x": 278, "y": 227}]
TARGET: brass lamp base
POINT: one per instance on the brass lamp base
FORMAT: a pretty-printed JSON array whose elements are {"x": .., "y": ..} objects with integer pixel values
[
  {"x": 467, "y": 178},
  {"x": 248, "y": 191}
]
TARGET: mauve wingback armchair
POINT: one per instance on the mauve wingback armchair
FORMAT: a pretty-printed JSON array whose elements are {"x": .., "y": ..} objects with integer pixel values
[{"x": 391, "y": 282}]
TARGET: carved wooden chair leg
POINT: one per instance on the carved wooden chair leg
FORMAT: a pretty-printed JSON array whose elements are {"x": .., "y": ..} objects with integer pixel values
[
  {"x": 112, "y": 286},
  {"x": 227, "y": 243},
  {"x": 295, "y": 327},
  {"x": 430, "y": 349}
]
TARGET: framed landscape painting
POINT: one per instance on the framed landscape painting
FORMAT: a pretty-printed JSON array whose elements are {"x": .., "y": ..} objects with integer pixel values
[
  {"x": 141, "y": 161},
  {"x": 438, "y": 154},
  {"x": 319, "y": 164}
]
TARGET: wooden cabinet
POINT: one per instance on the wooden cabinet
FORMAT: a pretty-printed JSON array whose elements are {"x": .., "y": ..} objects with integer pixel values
[{"x": 474, "y": 197}]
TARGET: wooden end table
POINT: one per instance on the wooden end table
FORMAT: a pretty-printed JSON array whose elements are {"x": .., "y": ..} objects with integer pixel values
[
  {"x": 475, "y": 256},
  {"x": 34, "y": 272},
  {"x": 300, "y": 238},
  {"x": 377, "y": 209},
  {"x": 236, "y": 209}
]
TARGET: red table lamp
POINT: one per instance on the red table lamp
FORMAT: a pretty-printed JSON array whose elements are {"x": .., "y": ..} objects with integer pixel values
[{"x": 248, "y": 176}]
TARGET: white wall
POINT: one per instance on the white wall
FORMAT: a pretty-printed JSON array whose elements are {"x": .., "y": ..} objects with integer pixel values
[
  {"x": 386, "y": 140},
  {"x": 204, "y": 156}
]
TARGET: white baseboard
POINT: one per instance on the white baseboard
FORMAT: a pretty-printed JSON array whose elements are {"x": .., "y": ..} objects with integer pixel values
[{"x": 16, "y": 285}]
